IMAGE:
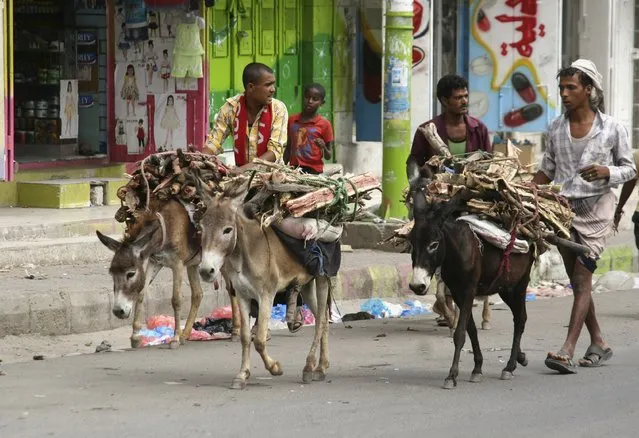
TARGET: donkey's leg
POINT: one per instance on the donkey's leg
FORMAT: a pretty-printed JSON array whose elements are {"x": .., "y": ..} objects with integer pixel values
[
  {"x": 137, "y": 323},
  {"x": 319, "y": 308},
  {"x": 464, "y": 301},
  {"x": 196, "y": 299},
  {"x": 239, "y": 382},
  {"x": 485, "y": 315},
  {"x": 236, "y": 317},
  {"x": 264, "y": 316},
  {"x": 515, "y": 298},
  {"x": 320, "y": 371},
  {"x": 476, "y": 376},
  {"x": 152, "y": 271},
  {"x": 176, "y": 301}
]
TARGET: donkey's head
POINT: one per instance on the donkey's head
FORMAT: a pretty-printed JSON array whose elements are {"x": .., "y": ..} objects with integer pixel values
[
  {"x": 219, "y": 226},
  {"x": 428, "y": 247},
  {"x": 129, "y": 267}
]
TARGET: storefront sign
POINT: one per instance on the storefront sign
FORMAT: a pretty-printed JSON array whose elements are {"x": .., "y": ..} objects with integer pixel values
[{"x": 514, "y": 58}]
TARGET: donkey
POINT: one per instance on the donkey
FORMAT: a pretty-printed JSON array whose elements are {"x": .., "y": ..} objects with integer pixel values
[
  {"x": 470, "y": 268},
  {"x": 162, "y": 236},
  {"x": 255, "y": 265}
]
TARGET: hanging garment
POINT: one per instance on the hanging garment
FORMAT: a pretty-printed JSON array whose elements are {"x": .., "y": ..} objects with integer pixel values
[{"x": 187, "y": 52}]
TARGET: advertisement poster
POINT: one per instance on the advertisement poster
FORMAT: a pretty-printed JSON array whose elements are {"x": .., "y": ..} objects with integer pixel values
[
  {"x": 170, "y": 122},
  {"x": 69, "y": 108},
  {"x": 130, "y": 86},
  {"x": 87, "y": 49},
  {"x": 132, "y": 132},
  {"x": 159, "y": 59},
  {"x": 514, "y": 56}
]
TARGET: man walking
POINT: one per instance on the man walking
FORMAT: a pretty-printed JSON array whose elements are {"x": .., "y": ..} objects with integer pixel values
[{"x": 588, "y": 154}]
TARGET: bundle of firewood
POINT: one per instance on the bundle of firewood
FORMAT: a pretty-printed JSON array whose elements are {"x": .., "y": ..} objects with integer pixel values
[
  {"x": 170, "y": 175},
  {"x": 278, "y": 191},
  {"x": 490, "y": 186}
]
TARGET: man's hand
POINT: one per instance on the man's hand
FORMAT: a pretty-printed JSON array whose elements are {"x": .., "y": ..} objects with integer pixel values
[
  {"x": 595, "y": 172},
  {"x": 319, "y": 142},
  {"x": 618, "y": 214}
]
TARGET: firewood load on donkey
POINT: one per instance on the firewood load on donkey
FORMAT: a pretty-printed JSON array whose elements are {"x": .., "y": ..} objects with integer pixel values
[
  {"x": 440, "y": 240},
  {"x": 256, "y": 264},
  {"x": 162, "y": 236}
]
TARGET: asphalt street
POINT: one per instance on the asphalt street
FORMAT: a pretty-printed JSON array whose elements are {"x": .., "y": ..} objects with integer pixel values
[{"x": 385, "y": 379}]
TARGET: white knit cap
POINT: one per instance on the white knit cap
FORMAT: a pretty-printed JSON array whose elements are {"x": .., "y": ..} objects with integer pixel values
[{"x": 590, "y": 69}]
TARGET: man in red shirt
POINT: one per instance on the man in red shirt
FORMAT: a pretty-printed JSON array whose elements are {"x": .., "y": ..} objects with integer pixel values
[{"x": 310, "y": 136}]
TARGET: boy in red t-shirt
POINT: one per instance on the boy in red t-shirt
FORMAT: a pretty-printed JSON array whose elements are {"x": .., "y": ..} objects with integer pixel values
[{"x": 310, "y": 136}]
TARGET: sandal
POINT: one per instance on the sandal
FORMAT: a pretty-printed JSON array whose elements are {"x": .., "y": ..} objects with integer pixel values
[
  {"x": 595, "y": 356},
  {"x": 561, "y": 362},
  {"x": 298, "y": 323}
]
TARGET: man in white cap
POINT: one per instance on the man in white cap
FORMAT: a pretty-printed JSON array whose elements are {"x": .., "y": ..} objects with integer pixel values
[{"x": 588, "y": 154}]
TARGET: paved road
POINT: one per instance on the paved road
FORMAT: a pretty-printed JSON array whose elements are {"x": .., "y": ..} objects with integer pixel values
[{"x": 378, "y": 386}]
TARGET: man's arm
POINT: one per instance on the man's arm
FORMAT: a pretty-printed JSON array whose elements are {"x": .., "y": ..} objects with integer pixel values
[
  {"x": 546, "y": 172},
  {"x": 486, "y": 144},
  {"x": 626, "y": 191},
  {"x": 420, "y": 151},
  {"x": 221, "y": 130},
  {"x": 624, "y": 164}
]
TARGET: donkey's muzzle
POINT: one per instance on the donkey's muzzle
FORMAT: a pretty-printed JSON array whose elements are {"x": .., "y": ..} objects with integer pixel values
[
  {"x": 208, "y": 275},
  {"x": 419, "y": 289},
  {"x": 121, "y": 313}
]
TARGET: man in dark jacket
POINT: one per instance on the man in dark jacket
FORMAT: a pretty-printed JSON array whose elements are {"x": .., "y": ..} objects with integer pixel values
[{"x": 459, "y": 131}]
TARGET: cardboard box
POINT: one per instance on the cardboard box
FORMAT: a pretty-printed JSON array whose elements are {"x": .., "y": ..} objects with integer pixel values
[{"x": 524, "y": 152}]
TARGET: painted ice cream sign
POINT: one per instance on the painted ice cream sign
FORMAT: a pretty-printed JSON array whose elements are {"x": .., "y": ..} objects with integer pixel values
[{"x": 514, "y": 58}]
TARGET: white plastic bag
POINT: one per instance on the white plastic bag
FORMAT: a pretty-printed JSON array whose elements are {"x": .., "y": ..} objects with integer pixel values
[
  {"x": 309, "y": 229},
  {"x": 494, "y": 234}
]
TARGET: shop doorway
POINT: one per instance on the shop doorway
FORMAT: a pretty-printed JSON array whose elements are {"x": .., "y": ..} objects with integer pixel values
[{"x": 59, "y": 93}]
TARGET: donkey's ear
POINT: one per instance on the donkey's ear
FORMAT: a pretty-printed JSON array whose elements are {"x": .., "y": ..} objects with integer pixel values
[
  {"x": 426, "y": 172},
  {"x": 145, "y": 236},
  {"x": 412, "y": 170},
  {"x": 109, "y": 242}
]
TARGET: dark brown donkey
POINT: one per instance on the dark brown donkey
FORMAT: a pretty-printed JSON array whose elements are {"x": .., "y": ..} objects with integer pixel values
[
  {"x": 469, "y": 269},
  {"x": 162, "y": 237}
]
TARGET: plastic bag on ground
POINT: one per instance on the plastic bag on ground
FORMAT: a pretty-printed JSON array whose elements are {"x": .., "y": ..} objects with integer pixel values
[
  {"x": 615, "y": 280},
  {"x": 225, "y": 312},
  {"x": 279, "y": 312},
  {"x": 160, "y": 321}
]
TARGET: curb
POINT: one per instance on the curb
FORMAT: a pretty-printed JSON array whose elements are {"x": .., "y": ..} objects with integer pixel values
[{"x": 63, "y": 312}]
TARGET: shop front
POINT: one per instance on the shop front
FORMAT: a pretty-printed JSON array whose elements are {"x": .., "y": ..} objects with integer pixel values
[{"x": 92, "y": 87}]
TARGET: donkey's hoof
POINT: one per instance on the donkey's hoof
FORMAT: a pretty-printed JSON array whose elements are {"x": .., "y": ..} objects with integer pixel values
[
  {"x": 235, "y": 337},
  {"x": 485, "y": 325},
  {"x": 307, "y": 376},
  {"x": 522, "y": 359},
  {"x": 506, "y": 375},
  {"x": 319, "y": 376},
  {"x": 450, "y": 384},
  {"x": 136, "y": 341},
  {"x": 476, "y": 377},
  {"x": 276, "y": 369},
  {"x": 175, "y": 344},
  {"x": 238, "y": 383}
]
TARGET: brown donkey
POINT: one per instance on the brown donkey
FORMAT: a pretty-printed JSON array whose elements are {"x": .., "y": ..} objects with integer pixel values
[
  {"x": 256, "y": 264},
  {"x": 161, "y": 237}
]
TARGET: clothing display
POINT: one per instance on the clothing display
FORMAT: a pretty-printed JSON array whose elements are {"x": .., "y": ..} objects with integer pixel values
[{"x": 187, "y": 51}]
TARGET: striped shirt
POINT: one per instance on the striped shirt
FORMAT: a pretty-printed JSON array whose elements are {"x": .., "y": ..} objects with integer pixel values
[
  {"x": 223, "y": 127},
  {"x": 607, "y": 145}
]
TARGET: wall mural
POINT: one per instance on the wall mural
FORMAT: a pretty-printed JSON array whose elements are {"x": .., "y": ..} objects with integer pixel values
[{"x": 514, "y": 55}]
